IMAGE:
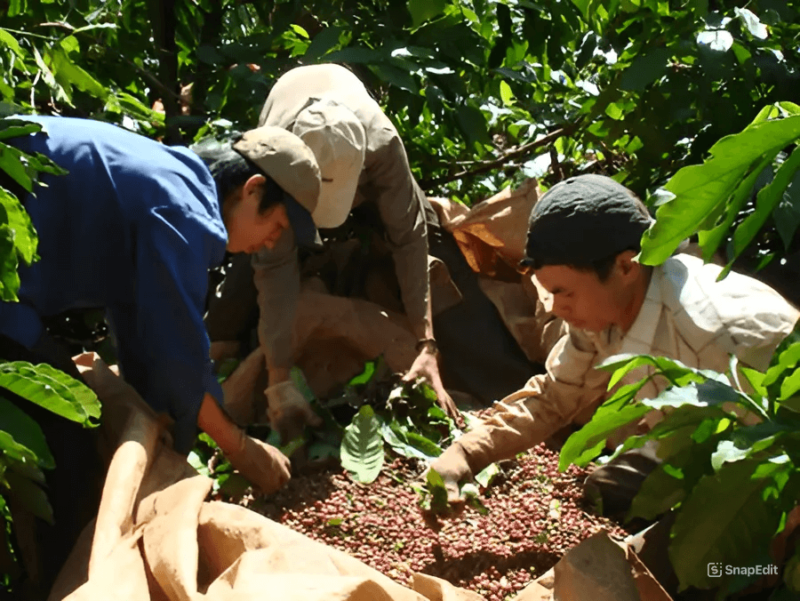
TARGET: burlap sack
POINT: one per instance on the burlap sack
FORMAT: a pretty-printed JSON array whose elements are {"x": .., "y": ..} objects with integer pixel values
[{"x": 156, "y": 537}]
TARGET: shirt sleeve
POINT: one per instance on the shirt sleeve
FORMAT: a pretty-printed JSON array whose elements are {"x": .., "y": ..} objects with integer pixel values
[
  {"x": 547, "y": 403},
  {"x": 162, "y": 342},
  {"x": 277, "y": 279},
  {"x": 399, "y": 201}
]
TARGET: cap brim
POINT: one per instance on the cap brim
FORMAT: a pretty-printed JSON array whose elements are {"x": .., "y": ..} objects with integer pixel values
[{"x": 305, "y": 231}]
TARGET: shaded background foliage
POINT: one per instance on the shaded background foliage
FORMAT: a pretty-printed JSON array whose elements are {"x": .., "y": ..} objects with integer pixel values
[{"x": 634, "y": 88}]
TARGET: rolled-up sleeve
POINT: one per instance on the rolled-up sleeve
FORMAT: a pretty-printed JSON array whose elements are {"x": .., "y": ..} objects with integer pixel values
[
  {"x": 162, "y": 342},
  {"x": 277, "y": 279},
  {"x": 547, "y": 403},
  {"x": 399, "y": 201}
]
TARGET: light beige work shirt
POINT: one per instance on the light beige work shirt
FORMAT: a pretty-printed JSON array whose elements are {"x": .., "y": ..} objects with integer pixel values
[
  {"x": 686, "y": 315},
  {"x": 385, "y": 180}
]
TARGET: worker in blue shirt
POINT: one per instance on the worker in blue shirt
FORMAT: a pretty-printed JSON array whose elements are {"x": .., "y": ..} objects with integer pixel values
[{"x": 134, "y": 228}]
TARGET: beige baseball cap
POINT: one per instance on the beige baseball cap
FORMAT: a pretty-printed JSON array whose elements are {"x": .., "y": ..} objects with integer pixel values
[
  {"x": 286, "y": 159},
  {"x": 338, "y": 140}
]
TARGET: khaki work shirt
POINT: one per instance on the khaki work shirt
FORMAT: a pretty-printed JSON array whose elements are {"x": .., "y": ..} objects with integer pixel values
[
  {"x": 386, "y": 179},
  {"x": 686, "y": 315}
]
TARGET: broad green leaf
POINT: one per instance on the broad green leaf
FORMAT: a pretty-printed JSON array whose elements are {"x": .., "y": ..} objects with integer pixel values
[
  {"x": 593, "y": 435},
  {"x": 790, "y": 385},
  {"x": 725, "y": 519},
  {"x": 51, "y": 389},
  {"x": 68, "y": 74},
  {"x": 9, "y": 40},
  {"x": 487, "y": 474},
  {"x": 659, "y": 492},
  {"x": 684, "y": 464},
  {"x": 727, "y": 452},
  {"x": 25, "y": 432},
  {"x": 435, "y": 486},
  {"x": 756, "y": 28},
  {"x": 10, "y": 128},
  {"x": 322, "y": 43},
  {"x": 711, "y": 239},
  {"x": 362, "y": 446},
  {"x": 645, "y": 69},
  {"x": 31, "y": 496},
  {"x": 25, "y": 238},
  {"x": 396, "y": 436},
  {"x": 766, "y": 201},
  {"x": 472, "y": 123},
  {"x": 506, "y": 95},
  {"x": 208, "y": 54},
  {"x": 424, "y": 10},
  {"x": 700, "y": 189},
  {"x": 11, "y": 163},
  {"x": 9, "y": 278},
  {"x": 706, "y": 394},
  {"x": 787, "y": 214}
]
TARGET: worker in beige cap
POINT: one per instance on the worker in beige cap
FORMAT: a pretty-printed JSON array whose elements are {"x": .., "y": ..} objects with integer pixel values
[
  {"x": 361, "y": 157},
  {"x": 364, "y": 169}
]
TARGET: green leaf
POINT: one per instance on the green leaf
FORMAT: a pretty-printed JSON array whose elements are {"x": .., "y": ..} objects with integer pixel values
[
  {"x": 506, "y": 95},
  {"x": 30, "y": 495},
  {"x": 710, "y": 240},
  {"x": 645, "y": 69},
  {"x": 587, "y": 443},
  {"x": 11, "y": 128},
  {"x": 472, "y": 124},
  {"x": 25, "y": 238},
  {"x": 198, "y": 464},
  {"x": 725, "y": 519},
  {"x": 790, "y": 385},
  {"x": 766, "y": 201},
  {"x": 659, "y": 492},
  {"x": 11, "y": 163},
  {"x": 727, "y": 452},
  {"x": 700, "y": 189},
  {"x": 9, "y": 278},
  {"x": 436, "y": 488},
  {"x": 51, "y": 389},
  {"x": 68, "y": 73},
  {"x": 25, "y": 432},
  {"x": 756, "y": 28},
  {"x": 10, "y": 41},
  {"x": 487, "y": 474},
  {"x": 362, "y": 446},
  {"x": 424, "y": 10},
  {"x": 787, "y": 214},
  {"x": 706, "y": 394},
  {"x": 322, "y": 43},
  {"x": 365, "y": 376}
]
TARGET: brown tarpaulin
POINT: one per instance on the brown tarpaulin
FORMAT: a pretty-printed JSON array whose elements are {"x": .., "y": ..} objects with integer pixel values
[{"x": 157, "y": 538}]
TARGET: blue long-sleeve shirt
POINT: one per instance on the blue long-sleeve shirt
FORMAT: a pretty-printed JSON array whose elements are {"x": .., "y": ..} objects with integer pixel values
[{"x": 134, "y": 228}]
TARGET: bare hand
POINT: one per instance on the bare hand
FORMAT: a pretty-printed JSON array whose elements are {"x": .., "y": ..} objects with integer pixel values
[{"x": 426, "y": 367}]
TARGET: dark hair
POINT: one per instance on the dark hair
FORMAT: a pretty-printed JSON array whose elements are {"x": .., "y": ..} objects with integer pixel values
[
  {"x": 602, "y": 267},
  {"x": 231, "y": 170}
]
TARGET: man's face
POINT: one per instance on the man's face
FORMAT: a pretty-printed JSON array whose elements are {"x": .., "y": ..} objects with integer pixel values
[
  {"x": 248, "y": 230},
  {"x": 581, "y": 299}
]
